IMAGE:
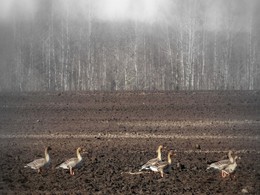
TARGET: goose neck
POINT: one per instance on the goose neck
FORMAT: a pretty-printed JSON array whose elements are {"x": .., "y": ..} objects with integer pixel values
[
  {"x": 47, "y": 157},
  {"x": 78, "y": 155},
  {"x": 230, "y": 156},
  {"x": 159, "y": 154},
  {"x": 169, "y": 159}
]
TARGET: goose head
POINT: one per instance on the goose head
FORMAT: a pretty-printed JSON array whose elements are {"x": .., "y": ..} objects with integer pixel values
[
  {"x": 236, "y": 158},
  {"x": 230, "y": 154},
  {"x": 79, "y": 150},
  {"x": 160, "y": 148},
  {"x": 171, "y": 153},
  {"x": 48, "y": 148}
]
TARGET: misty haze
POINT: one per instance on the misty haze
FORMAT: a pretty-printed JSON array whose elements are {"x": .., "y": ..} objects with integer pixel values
[
  {"x": 130, "y": 97},
  {"x": 67, "y": 45}
]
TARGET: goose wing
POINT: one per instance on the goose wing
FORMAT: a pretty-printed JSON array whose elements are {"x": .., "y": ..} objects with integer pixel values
[
  {"x": 69, "y": 163},
  {"x": 231, "y": 167},
  {"x": 220, "y": 165},
  {"x": 159, "y": 166},
  {"x": 149, "y": 163},
  {"x": 36, "y": 164}
]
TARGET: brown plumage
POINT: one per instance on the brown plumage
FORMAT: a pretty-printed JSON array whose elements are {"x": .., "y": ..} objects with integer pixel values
[
  {"x": 163, "y": 166},
  {"x": 225, "y": 166},
  {"x": 153, "y": 161},
  {"x": 38, "y": 164},
  {"x": 72, "y": 162}
]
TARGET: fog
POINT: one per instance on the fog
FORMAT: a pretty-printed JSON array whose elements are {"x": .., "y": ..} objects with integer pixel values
[
  {"x": 127, "y": 44},
  {"x": 113, "y": 10},
  {"x": 148, "y": 11}
]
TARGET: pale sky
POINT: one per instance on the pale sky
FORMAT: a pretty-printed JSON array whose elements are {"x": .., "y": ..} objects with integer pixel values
[
  {"x": 25, "y": 8},
  {"x": 147, "y": 11},
  {"x": 112, "y": 10},
  {"x": 141, "y": 10}
]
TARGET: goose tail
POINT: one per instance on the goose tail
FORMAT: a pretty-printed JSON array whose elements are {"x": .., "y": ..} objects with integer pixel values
[
  {"x": 144, "y": 167},
  {"x": 63, "y": 165}
]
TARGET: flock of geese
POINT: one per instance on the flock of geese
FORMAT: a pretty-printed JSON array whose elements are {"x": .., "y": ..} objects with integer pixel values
[
  {"x": 226, "y": 167},
  {"x": 69, "y": 164}
]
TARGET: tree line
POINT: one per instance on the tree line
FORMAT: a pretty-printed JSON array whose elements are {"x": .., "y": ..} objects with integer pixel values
[{"x": 58, "y": 48}]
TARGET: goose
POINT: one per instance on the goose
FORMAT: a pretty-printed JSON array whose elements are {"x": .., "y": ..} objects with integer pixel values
[
  {"x": 72, "y": 162},
  {"x": 38, "y": 164},
  {"x": 225, "y": 166},
  {"x": 230, "y": 168},
  {"x": 153, "y": 161},
  {"x": 163, "y": 166}
]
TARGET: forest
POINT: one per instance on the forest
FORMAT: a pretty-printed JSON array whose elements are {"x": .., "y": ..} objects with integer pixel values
[{"x": 68, "y": 45}]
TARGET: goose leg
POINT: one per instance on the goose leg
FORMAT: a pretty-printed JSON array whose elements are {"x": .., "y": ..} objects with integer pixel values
[
  {"x": 39, "y": 170},
  {"x": 224, "y": 174},
  {"x": 161, "y": 173},
  {"x": 71, "y": 171}
]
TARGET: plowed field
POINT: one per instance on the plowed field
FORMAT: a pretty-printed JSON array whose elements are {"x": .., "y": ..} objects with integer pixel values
[{"x": 120, "y": 131}]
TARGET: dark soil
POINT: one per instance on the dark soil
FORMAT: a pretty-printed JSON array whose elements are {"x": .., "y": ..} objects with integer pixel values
[{"x": 121, "y": 131}]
